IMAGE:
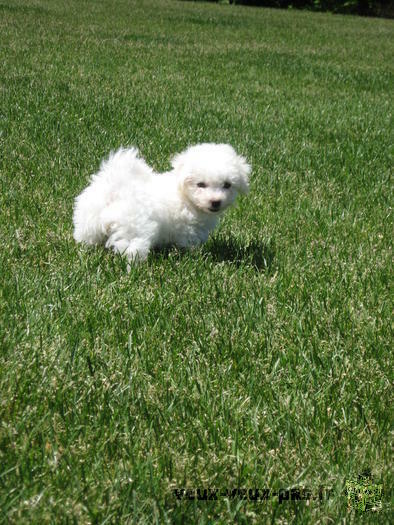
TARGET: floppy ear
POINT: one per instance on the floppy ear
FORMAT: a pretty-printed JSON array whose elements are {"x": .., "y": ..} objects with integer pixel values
[
  {"x": 178, "y": 162},
  {"x": 242, "y": 178}
]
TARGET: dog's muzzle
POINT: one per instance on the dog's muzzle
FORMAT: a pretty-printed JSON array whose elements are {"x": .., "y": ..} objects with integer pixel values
[{"x": 215, "y": 206}]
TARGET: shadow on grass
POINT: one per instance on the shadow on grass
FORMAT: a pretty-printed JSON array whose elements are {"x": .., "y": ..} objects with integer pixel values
[{"x": 256, "y": 253}]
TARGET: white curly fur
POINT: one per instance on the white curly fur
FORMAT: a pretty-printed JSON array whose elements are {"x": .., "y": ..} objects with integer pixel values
[{"x": 131, "y": 209}]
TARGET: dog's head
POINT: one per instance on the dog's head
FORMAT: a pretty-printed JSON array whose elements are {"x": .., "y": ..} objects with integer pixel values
[{"x": 211, "y": 175}]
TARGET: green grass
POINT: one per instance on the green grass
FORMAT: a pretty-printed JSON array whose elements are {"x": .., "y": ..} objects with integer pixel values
[{"x": 262, "y": 359}]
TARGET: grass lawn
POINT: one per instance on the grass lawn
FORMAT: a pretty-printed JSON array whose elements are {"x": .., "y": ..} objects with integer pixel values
[{"x": 260, "y": 360}]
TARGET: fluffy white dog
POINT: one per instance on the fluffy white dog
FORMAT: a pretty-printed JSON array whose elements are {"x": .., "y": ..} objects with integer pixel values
[{"x": 131, "y": 209}]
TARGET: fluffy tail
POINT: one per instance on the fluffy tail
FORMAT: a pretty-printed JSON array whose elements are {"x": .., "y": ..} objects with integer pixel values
[{"x": 124, "y": 163}]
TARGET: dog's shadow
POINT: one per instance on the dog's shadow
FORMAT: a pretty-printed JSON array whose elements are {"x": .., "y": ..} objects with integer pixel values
[{"x": 258, "y": 254}]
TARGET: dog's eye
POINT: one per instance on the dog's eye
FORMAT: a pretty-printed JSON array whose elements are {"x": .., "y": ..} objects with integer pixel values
[
  {"x": 201, "y": 185},
  {"x": 227, "y": 185}
]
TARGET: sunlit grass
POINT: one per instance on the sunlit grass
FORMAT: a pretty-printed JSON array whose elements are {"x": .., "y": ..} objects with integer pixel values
[{"x": 261, "y": 359}]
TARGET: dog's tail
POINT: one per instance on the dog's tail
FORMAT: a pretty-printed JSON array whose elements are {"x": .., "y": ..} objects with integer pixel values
[{"x": 124, "y": 163}]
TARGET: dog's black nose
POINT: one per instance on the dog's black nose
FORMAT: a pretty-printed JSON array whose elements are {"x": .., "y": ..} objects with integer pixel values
[{"x": 215, "y": 204}]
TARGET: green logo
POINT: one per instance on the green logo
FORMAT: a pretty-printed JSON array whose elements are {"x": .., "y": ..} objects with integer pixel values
[{"x": 363, "y": 494}]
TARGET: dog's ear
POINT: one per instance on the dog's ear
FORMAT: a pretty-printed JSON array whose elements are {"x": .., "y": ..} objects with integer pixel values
[
  {"x": 180, "y": 164},
  {"x": 243, "y": 172}
]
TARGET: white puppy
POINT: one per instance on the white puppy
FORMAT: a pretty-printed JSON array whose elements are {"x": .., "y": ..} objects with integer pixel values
[{"x": 131, "y": 209}]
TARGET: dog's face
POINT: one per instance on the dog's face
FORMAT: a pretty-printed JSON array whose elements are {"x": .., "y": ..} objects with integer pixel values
[
  {"x": 207, "y": 195},
  {"x": 211, "y": 176}
]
